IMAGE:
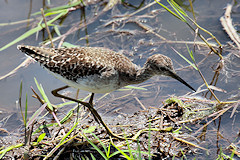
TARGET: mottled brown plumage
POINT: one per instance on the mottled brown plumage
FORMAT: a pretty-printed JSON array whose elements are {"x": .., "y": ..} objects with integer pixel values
[{"x": 98, "y": 70}]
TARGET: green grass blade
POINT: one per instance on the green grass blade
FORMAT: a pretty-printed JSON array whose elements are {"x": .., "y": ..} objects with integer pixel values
[
  {"x": 193, "y": 65},
  {"x": 26, "y": 108},
  {"x": 129, "y": 149},
  {"x": 23, "y": 36},
  {"x": 165, "y": 7},
  {"x": 65, "y": 103},
  {"x": 40, "y": 88},
  {"x": 177, "y": 131},
  {"x": 108, "y": 151},
  {"x": 59, "y": 8},
  {"x": 89, "y": 129},
  {"x": 104, "y": 147},
  {"x": 122, "y": 152},
  {"x": 41, "y": 137},
  {"x": 134, "y": 87},
  {"x": 177, "y": 11},
  {"x": 69, "y": 132},
  {"x": 69, "y": 45},
  {"x": 233, "y": 153},
  {"x": 32, "y": 31},
  {"x": 188, "y": 128},
  {"x": 36, "y": 114},
  {"x": 93, "y": 158},
  {"x": 149, "y": 142},
  {"x": 95, "y": 147},
  {"x": 67, "y": 117},
  {"x": 4, "y": 151},
  {"x": 57, "y": 30},
  {"x": 191, "y": 54},
  {"x": 64, "y": 11},
  {"x": 20, "y": 101},
  {"x": 178, "y": 8},
  {"x": 16, "y": 22}
]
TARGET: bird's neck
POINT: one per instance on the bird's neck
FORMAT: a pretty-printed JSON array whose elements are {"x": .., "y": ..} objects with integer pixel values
[
  {"x": 140, "y": 75},
  {"x": 144, "y": 73}
]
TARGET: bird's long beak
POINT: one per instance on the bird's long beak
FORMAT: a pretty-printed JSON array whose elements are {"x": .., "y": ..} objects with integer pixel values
[{"x": 175, "y": 76}]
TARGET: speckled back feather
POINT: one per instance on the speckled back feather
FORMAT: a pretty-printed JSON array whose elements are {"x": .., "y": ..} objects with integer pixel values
[{"x": 74, "y": 63}]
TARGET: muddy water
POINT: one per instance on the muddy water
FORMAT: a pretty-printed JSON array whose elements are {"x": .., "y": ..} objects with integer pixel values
[{"x": 124, "y": 35}]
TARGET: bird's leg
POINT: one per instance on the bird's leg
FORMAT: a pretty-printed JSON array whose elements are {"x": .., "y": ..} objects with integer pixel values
[
  {"x": 56, "y": 94},
  {"x": 85, "y": 104},
  {"x": 89, "y": 105},
  {"x": 91, "y": 99},
  {"x": 93, "y": 111}
]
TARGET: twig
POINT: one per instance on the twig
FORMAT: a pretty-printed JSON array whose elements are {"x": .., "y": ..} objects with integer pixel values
[
  {"x": 234, "y": 109},
  {"x": 24, "y": 63},
  {"x": 226, "y": 22},
  {"x": 46, "y": 26},
  {"x": 143, "y": 107},
  {"x": 187, "y": 142},
  {"x": 221, "y": 113}
]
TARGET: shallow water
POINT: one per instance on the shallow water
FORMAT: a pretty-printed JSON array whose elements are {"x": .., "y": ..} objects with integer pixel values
[{"x": 127, "y": 37}]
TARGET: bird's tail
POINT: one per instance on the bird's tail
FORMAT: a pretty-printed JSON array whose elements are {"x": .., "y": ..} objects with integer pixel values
[{"x": 39, "y": 54}]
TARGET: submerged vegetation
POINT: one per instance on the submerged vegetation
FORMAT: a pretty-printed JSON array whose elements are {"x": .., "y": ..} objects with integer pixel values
[{"x": 173, "y": 129}]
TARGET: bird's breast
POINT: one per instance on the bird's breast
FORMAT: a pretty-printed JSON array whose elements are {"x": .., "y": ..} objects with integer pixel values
[{"x": 93, "y": 83}]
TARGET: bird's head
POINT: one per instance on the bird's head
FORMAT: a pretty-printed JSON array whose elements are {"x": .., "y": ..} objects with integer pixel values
[{"x": 159, "y": 64}]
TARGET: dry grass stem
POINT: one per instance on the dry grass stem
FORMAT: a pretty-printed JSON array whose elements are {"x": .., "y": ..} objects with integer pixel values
[{"x": 226, "y": 22}]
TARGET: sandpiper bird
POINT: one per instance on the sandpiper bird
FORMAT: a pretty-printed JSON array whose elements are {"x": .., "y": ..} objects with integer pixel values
[{"x": 98, "y": 70}]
